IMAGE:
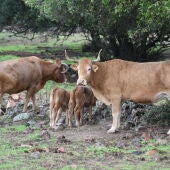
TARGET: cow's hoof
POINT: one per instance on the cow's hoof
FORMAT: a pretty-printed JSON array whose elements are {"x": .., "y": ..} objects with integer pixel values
[{"x": 111, "y": 131}]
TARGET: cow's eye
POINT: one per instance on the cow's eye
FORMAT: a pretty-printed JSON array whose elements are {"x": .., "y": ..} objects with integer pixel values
[{"x": 89, "y": 69}]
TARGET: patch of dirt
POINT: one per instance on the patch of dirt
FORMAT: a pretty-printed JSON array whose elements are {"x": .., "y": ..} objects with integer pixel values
[{"x": 88, "y": 146}]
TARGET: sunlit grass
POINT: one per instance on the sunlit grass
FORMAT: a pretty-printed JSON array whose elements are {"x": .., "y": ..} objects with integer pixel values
[
  {"x": 25, "y": 48},
  {"x": 7, "y": 57}
]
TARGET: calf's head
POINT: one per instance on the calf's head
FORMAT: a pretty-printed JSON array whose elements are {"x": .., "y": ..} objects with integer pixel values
[
  {"x": 86, "y": 68},
  {"x": 58, "y": 74}
]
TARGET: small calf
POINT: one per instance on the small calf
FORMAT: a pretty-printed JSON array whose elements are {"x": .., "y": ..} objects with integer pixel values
[
  {"x": 59, "y": 99},
  {"x": 80, "y": 97}
]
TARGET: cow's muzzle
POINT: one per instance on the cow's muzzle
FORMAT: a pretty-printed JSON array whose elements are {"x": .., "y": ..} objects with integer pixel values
[{"x": 81, "y": 82}]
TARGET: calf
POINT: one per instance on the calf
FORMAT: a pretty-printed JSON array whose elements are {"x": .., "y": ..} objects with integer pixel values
[
  {"x": 80, "y": 97},
  {"x": 59, "y": 99},
  {"x": 31, "y": 74}
]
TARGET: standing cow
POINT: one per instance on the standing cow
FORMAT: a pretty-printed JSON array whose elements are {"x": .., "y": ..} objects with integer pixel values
[
  {"x": 80, "y": 97},
  {"x": 59, "y": 99},
  {"x": 116, "y": 80},
  {"x": 31, "y": 74}
]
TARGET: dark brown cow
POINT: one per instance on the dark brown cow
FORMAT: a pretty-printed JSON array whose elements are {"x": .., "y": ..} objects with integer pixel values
[
  {"x": 59, "y": 99},
  {"x": 80, "y": 97},
  {"x": 116, "y": 80},
  {"x": 31, "y": 74}
]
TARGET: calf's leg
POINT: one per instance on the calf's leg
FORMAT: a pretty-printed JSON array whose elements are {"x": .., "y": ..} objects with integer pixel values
[
  {"x": 77, "y": 113},
  {"x": 58, "y": 115},
  {"x": 70, "y": 113}
]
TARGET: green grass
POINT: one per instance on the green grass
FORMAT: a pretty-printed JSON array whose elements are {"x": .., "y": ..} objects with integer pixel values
[
  {"x": 143, "y": 166},
  {"x": 102, "y": 150},
  {"x": 51, "y": 84},
  {"x": 75, "y": 167},
  {"x": 7, "y": 148},
  {"x": 13, "y": 128},
  {"x": 7, "y": 57},
  {"x": 25, "y": 48}
]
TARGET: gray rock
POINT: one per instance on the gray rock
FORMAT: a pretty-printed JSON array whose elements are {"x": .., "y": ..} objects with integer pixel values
[
  {"x": 22, "y": 116},
  {"x": 35, "y": 155},
  {"x": 161, "y": 141},
  {"x": 31, "y": 122}
]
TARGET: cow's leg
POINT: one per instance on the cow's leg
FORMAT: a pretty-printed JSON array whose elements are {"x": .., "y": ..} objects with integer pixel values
[
  {"x": 1, "y": 112},
  {"x": 116, "y": 116},
  {"x": 67, "y": 119},
  {"x": 34, "y": 106},
  {"x": 81, "y": 115},
  {"x": 90, "y": 113},
  {"x": 29, "y": 94}
]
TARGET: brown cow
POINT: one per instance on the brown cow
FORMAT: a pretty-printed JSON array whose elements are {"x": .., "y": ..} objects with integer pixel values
[
  {"x": 116, "y": 80},
  {"x": 59, "y": 99},
  {"x": 80, "y": 97},
  {"x": 31, "y": 74}
]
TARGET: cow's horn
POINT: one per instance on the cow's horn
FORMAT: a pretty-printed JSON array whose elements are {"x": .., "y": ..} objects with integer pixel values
[
  {"x": 70, "y": 59},
  {"x": 98, "y": 56},
  {"x": 65, "y": 68}
]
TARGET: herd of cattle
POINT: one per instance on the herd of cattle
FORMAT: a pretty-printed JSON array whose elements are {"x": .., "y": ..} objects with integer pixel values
[{"x": 110, "y": 82}]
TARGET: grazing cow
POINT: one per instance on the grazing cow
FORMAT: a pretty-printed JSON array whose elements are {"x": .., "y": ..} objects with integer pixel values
[
  {"x": 59, "y": 99},
  {"x": 116, "y": 80},
  {"x": 31, "y": 74},
  {"x": 80, "y": 97}
]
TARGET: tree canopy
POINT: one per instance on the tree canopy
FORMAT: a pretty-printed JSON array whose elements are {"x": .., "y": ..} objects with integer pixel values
[
  {"x": 15, "y": 15},
  {"x": 131, "y": 29}
]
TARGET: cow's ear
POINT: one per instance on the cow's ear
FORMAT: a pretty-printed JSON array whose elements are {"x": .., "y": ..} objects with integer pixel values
[
  {"x": 74, "y": 67},
  {"x": 58, "y": 61},
  {"x": 94, "y": 67}
]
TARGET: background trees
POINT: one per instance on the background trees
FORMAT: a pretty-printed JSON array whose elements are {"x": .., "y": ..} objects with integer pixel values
[{"x": 131, "y": 29}]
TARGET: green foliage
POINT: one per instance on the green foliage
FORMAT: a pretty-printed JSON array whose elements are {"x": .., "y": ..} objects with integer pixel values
[
  {"x": 125, "y": 29},
  {"x": 21, "y": 18},
  {"x": 158, "y": 115}
]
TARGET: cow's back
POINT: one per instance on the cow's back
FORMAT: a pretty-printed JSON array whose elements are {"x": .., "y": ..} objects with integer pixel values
[
  {"x": 60, "y": 97},
  {"x": 141, "y": 81},
  {"x": 20, "y": 73}
]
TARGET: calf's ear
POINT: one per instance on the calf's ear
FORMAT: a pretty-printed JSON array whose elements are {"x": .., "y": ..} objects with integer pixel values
[
  {"x": 74, "y": 67},
  {"x": 94, "y": 67}
]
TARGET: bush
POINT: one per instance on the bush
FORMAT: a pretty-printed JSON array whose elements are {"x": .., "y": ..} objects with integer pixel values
[{"x": 158, "y": 115}]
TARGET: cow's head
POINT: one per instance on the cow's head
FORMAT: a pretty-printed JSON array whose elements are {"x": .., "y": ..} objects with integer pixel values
[
  {"x": 59, "y": 71},
  {"x": 86, "y": 68}
]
